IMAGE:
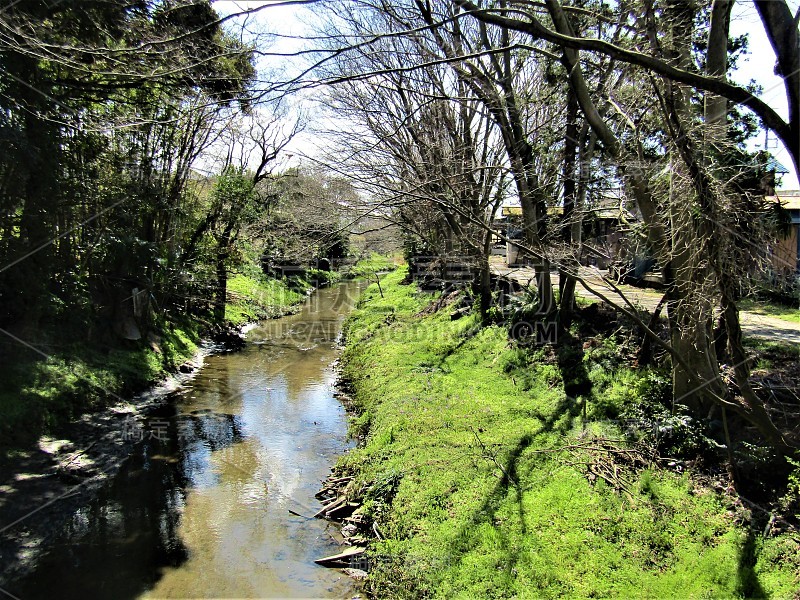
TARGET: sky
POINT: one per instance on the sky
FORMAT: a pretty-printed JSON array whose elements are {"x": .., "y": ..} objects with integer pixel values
[
  {"x": 759, "y": 65},
  {"x": 289, "y": 19}
]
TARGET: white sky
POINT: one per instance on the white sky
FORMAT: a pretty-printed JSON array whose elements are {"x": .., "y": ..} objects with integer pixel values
[
  {"x": 289, "y": 20},
  {"x": 759, "y": 65}
]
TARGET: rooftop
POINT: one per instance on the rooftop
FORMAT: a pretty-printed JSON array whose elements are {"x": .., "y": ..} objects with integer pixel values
[{"x": 789, "y": 199}]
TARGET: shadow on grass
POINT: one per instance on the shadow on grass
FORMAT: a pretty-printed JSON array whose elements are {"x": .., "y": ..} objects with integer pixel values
[
  {"x": 465, "y": 538},
  {"x": 569, "y": 355},
  {"x": 45, "y": 395},
  {"x": 508, "y": 488},
  {"x": 748, "y": 585},
  {"x": 577, "y": 388},
  {"x": 559, "y": 420}
]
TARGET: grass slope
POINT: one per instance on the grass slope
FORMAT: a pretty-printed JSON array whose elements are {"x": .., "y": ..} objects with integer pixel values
[
  {"x": 476, "y": 493},
  {"x": 368, "y": 266},
  {"x": 254, "y": 298}
]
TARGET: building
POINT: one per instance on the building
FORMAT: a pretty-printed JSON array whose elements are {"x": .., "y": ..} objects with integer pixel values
[
  {"x": 605, "y": 222},
  {"x": 785, "y": 253}
]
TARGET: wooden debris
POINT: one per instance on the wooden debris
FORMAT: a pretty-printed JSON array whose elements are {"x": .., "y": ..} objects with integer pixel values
[
  {"x": 461, "y": 312},
  {"x": 335, "y": 495},
  {"x": 356, "y": 518},
  {"x": 339, "y": 480},
  {"x": 358, "y": 540},
  {"x": 337, "y": 537},
  {"x": 329, "y": 506},
  {"x": 341, "y": 558},
  {"x": 343, "y": 510}
]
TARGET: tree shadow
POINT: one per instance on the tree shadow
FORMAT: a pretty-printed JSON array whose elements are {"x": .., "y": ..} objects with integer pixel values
[
  {"x": 747, "y": 583},
  {"x": 463, "y": 540},
  {"x": 577, "y": 385},
  {"x": 509, "y": 482},
  {"x": 569, "y": 357},
  {"x": 466, "y": 336}
]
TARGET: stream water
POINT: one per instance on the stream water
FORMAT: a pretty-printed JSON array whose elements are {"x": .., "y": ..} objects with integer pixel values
[{"x": 202, "y": 508}]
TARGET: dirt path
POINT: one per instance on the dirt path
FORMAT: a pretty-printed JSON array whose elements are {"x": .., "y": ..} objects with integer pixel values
[{"x": 754, "y": 325}]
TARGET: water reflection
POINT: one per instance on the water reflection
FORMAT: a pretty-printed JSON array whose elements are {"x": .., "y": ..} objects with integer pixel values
[{"x": 202, "y": 507}]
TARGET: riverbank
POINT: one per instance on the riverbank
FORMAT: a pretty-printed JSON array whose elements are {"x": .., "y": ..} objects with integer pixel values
[
  {"x": 51, "y": 384},
  {"x": 492, "y": 470},
  {"x": 53, "y": 460},
  {"x": 208, "y": 502}
]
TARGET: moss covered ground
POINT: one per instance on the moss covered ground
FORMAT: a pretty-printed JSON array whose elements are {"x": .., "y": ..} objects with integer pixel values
[
  {"x": 486, "y": 478},
  {"x": 368, "y": 266}
]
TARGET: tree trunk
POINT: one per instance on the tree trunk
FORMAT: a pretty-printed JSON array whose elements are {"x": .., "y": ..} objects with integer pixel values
[
  {"x": 485, "y": 278},
  {"x": 566, "y": 307},
  {"x": 691, "y": 338},
  {"x": 221, "y": 267},
  {"x": 544, "y": 286},
  {"x": 220, "y": 293},
  {"x": 755, "y": 411},
  {"x": 716, "y": 107},
  {"x": 27, "y": 298},
  {"x": 573, "y": 148}
]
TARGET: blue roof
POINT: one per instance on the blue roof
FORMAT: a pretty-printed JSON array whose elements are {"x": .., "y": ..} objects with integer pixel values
[{"x": 774, "y": 165}]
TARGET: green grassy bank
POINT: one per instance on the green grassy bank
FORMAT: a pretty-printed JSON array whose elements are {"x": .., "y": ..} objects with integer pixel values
[
  {"x": 785, "y": 313},
  {"x": 252, "y": 299},
  {"x": 369, "y": 265},
  {"x": 486, "y": 479},
  {"x": 43, "y": 390}
]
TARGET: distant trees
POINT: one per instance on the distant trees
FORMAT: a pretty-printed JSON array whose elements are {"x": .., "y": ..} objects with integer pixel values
[
  {"x": 312, "y": 215},
  {"x": 422, "y": 148}
]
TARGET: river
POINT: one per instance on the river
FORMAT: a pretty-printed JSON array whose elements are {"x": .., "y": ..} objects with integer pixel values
[{"x": 201, "y": 509}]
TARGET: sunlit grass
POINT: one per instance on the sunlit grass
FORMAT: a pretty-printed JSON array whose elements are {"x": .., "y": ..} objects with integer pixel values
[
  {"x": 468, "y": 475},
  {"x": 372, "y": 264},
  {"x": 785, "y": 313},
  {"x": 40, "y": 394},
  {"x": 251, "y": 299}
]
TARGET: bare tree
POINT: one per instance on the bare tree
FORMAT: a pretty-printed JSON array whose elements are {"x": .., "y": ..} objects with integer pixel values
[
  {"x": 423, "y": 145},
  {"x": 779, "y": 24},
  {"x": 683, "y": 218}
]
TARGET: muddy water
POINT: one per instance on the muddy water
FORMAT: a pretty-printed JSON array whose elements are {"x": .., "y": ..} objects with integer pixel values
[{"x": 202, "y": 508}]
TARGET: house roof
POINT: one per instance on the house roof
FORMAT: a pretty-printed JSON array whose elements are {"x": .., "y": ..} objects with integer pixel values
[
  {"x": 607, "y": 208},
  {"x": 789, "y": 199},
  {"x": 774, "y": 165},
  {"x": 516, "y": 211},
  {"x": 606, "y": 212}
]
